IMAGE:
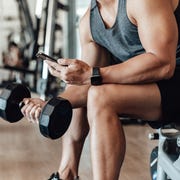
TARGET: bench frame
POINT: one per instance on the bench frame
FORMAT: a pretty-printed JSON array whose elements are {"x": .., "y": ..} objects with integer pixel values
[{"x": 167, "y": 168}]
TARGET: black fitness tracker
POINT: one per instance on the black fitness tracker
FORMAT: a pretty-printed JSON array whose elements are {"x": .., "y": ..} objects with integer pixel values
[{"x": 96, "y": 78}]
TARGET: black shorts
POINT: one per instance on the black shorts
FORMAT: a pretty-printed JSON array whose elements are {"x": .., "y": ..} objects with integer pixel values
[{"x": 170, "y": 99}]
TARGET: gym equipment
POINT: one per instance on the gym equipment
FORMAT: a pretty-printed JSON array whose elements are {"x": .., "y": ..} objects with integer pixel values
[
  {"x": 165, "y": 158},
  {"x": 55, "y": 117},
  {"x": 29, "y": 31},
  {"x": 23, "y": 45}
]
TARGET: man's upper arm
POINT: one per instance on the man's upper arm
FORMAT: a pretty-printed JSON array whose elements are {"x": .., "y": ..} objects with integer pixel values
[
  {"x": 91, "y": 52},
  {"x": 157, "y": 28}
]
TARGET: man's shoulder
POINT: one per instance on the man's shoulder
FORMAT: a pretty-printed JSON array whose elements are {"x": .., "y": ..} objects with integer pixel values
[
  {"x": 136, "y": 9},
  {"x": 84, "y": 27},
  {"x": 85, "y": 18}
]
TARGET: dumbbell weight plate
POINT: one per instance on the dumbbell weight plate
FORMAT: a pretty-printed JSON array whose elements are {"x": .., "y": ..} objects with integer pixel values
[
  {"x": 10, "y": 98},
  {"x": 55, "y": 118}
]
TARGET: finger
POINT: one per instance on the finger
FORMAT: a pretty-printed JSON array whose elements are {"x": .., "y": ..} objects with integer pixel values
[
  {"x": 64, "y": 62},
  {"x": 50, "y": 63},
  {"x": 54, "y": 72},
  {"x": 54, "y": 65},
  {"x": 24, "y": 109},
  {"x": 37, "y": 114},
  {"x": 26, "y": 100},
  {"x": 32, "y": 113},
  {"x": 27, "y": 111}
]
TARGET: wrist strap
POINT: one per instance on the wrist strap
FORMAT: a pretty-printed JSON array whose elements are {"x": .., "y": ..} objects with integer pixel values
[{"x": 96, "y": 71}]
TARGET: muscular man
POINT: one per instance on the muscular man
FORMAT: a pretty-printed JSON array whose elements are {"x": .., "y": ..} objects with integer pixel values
[{"x": 136, "y": 45}]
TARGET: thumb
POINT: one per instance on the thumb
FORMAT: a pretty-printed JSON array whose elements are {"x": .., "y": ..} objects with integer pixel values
[{"x": 64, "y": 62}]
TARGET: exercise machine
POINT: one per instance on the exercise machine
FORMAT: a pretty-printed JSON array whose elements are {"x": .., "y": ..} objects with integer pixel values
[
  {"x": 165, "y": 158},
  {"x": 23, "y": 51}
]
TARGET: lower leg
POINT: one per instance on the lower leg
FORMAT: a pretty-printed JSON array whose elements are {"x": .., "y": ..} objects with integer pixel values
[
  {"x": 72, "y": 145},
  {"x": 107, "y": 146}
]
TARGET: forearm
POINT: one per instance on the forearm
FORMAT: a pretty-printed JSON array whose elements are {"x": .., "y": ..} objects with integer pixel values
[
  {"x": 143, "y": 68},
  {"x": 77, "y": 95}
]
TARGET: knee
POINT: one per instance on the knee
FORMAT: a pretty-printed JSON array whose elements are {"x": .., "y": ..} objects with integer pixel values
[
  {"x": 96, "y": 98},
  {"x": 98, "y": 103}
]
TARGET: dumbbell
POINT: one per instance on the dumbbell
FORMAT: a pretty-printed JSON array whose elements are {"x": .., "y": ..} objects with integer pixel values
[{"x": 55, "y": 116}]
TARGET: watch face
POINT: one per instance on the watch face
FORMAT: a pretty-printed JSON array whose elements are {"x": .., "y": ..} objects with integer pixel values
[{"x": 96, "y": 80}]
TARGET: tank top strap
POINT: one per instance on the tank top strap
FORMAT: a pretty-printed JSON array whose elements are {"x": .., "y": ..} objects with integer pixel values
[{"x": 93, "y": 4}]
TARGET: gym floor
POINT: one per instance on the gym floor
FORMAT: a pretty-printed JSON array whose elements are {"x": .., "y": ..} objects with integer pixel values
[{"x": 26, "y": 154}]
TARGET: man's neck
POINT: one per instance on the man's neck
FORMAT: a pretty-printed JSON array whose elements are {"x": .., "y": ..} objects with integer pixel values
[
  {"x": 108, "y": 10},
  {"x": 106, "y": 2}
]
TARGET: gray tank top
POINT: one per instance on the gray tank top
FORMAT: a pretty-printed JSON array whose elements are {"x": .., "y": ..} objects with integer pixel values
[{"x": 122, "y": 39}]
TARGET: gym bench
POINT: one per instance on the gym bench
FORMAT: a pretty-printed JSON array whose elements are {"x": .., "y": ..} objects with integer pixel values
[{"x": 165, "y": 158}]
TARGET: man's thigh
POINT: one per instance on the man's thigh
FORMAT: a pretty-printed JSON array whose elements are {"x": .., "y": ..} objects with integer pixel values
[{"x": 141, "y": 101}]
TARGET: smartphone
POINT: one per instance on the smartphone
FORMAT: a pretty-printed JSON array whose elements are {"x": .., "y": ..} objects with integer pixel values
[{"x": 43, "y": 56}]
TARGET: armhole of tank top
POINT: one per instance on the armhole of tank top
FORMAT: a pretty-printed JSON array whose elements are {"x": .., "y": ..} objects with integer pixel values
[{"x": 127, "y": 16}]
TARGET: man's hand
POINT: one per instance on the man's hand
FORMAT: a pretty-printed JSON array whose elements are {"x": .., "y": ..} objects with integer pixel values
[
  {"x": 71, "y": 71},
  {"x": 32, "y": 109}
]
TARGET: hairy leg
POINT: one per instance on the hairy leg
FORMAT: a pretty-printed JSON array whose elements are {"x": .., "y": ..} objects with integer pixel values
[{"x": 105, "y": 104}]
